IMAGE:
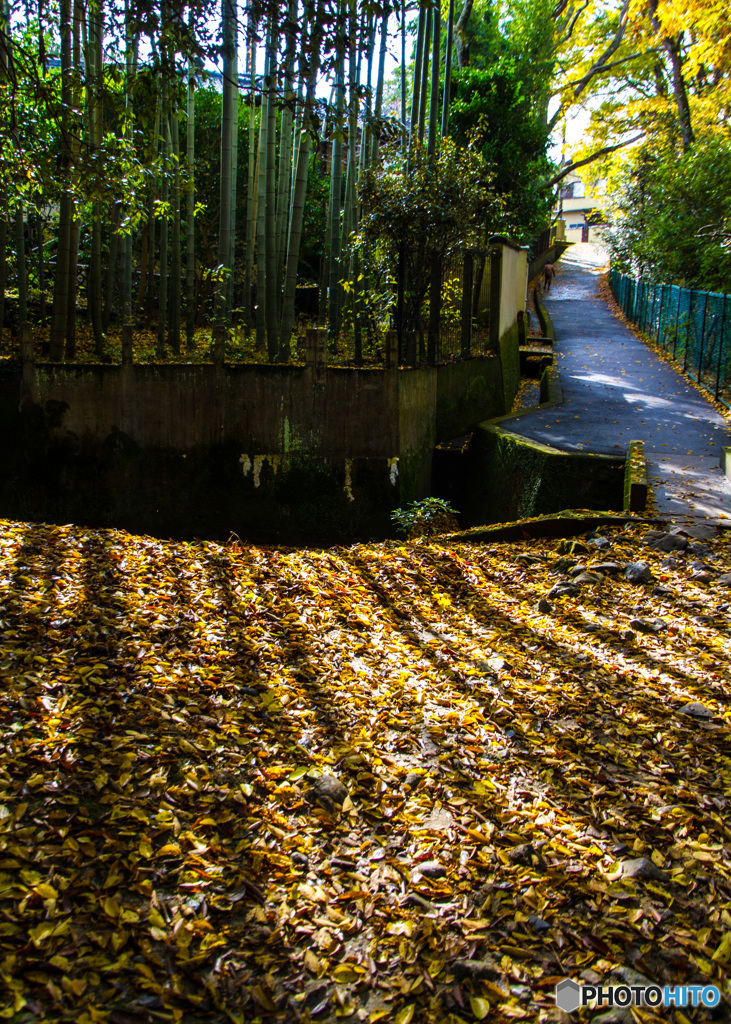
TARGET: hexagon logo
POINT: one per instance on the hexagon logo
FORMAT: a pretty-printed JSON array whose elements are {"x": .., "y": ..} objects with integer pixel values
[{"x": 568, "y": 995}]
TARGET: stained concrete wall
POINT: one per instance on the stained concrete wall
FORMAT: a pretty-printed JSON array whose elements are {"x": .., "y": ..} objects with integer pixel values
[
  {"x": 288, "y": 453},
  {"x": 511, "y": 477}
]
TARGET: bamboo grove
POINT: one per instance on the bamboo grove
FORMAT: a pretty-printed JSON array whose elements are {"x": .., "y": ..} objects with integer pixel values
[
  {"x": 195, "y": 175},
  {"x": 102, "y": 201}
]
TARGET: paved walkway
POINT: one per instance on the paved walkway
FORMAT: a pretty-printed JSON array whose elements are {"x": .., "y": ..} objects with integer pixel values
[{"x": 617, "y": 390}]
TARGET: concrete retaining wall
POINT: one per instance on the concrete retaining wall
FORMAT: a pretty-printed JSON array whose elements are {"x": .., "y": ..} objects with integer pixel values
[
  {"x": 511, "y": 477},
  {"x": 289, "y": 453}
]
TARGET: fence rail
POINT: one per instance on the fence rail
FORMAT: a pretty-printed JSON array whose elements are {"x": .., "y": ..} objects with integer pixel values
[{"x": 692, "y": 326}]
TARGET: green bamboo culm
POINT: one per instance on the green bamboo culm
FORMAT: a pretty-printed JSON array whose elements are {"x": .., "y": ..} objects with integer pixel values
[
  {"x": 228, "y": 15},
  {"x": 251, "y": 174},
  {"x": 270, "y": 219},
  {"x": 61, "y": 282},
  {"x": 416, "y": 87},
  {"x": 190, "y": 212},
  {"x": 300, "y": 186},
  {"x": 336, "y": 184}
]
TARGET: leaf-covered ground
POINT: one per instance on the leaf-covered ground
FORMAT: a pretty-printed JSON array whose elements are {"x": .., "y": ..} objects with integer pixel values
[{"x": 375, "y": 783}]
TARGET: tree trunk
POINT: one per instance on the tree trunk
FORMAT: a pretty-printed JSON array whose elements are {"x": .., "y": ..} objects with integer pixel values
[
  {"x": 70, "y": 351},
  {"x": 673, "y": 46},
  {"x": 448, "y": 70},
  {"x": 20, "y": 265},
  {"x": 424, "y": 76},
  {"x": 224, "y": 223},
  {"x": 375, "y": 137},
  {"x": 416, "y": 88},
  {"x": 111, "y": 276},
  {"x": 77, "y": 100},
  {"x": 300, "y": 190},
  {"x": 61, "y": 281},
  {"x": 175, "y": 275},
  {"x": 336, "y": 184},
  {"x": 190, "y": 214},
  {"x": 251, "y": 176},
  {"x": 234, "y": 175},
  {"x": 434, "y": 98},
  {"x": 3, "y": 263},
  {"x": 284, "y": 176},
  {"x": 96, "y": 48},
  {"x": 272, "y": 304},
  {"x": 162, "y": 294},
  {"x": 461, "y": 39},
  {"x": 126, "y": 285},
  {"x": 261, "y": 189}
]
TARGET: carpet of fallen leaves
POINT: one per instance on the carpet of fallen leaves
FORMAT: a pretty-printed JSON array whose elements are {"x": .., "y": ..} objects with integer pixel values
[{"x": 373, "y": 783}]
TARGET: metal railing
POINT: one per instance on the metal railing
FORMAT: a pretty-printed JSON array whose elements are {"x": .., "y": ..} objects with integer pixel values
[{"x": 692, "y": 326}]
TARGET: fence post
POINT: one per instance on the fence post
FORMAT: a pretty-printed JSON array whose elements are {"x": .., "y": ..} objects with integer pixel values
[
  {"x": 703, "y": 339},
  {"x": 126, "y": 344},
  {"x": 659, "y": 315},
  {"x": 720, "y": 346},
  {"x": 687, "y": 331},
  {"x": 435, "y": 309},
  {"x": 390, "y": 351},
  {"x": 677, "y": 321},
  {"x": 496, "y": 277},
  {"x": 400, "y": 304},
  {"x": 652, "y": 310},
  {"x": 28, "y": 387},
  {"x": 468, "y": 270},
  {"x": 316, "y": 348}
]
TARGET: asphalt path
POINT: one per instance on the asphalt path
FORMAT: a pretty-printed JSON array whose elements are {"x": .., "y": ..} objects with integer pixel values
[{"x": 616, "y": 390}]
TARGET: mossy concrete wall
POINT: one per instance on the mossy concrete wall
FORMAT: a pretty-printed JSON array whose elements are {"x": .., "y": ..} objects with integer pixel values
[
  {"x": 510, "y": 477},
  {"x": 273, "y": 453}
]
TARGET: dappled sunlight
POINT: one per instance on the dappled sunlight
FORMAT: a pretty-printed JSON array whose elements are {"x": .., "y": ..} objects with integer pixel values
[{"x": 229, "y": 765}]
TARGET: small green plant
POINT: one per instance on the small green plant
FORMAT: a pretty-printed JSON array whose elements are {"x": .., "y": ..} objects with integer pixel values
[{"x": 425, "y": 518}]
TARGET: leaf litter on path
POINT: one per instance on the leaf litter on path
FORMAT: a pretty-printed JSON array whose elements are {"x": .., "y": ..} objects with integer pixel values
[{"x": 375, "y": 783}]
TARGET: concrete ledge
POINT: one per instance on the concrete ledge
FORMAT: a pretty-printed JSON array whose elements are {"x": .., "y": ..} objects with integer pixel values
[
  {"x": 726, "y": 462},
  {"x": 566, "y": 523},
  {"x": 635, "y": 478},
  {"x": 551, "y": 392},
  {"x": 513, "y": 477},
  {"x": 543, "y": 318},
  {"x": 534, "y": 360}
]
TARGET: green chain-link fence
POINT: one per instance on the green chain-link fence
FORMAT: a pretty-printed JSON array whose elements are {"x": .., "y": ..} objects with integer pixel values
[{"x": 692, "y": 326}]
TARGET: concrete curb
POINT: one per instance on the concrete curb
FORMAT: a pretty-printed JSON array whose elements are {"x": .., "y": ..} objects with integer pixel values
[
  {"x": 543, "y": 318},
  {"x": 566, "y": 523},
  {"x": 636, "y": 486}
]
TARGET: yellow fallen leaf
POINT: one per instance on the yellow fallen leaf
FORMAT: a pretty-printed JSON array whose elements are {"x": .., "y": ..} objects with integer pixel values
[
  {"x": 405, "y": 1014},
  {"x": 479, "y": 1006},
  {"x": 111, "y": 907},
  {"x": 344, "y": 974},
  {"x": 311, "y": 962},
  {"x": 46, "y": 891}
]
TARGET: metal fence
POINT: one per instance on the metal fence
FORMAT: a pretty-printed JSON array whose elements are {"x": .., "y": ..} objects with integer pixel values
[{"x": 692, "y": 326}]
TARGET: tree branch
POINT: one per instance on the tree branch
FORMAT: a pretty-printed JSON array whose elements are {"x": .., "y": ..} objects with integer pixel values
[
  {"x": 571, "y": 26},
  {"x": 609, "y": 52},
  {"x": 605, "y": 151},
  {"x": 603, "y": 69}
]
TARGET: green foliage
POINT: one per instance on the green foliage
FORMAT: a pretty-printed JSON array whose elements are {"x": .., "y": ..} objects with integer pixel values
[
  {"x": 672, "y": 217},
  {"x": 441, "y": 205},
  {"x": 425, "y": 518},
  {"x": 499, "y": 104}
]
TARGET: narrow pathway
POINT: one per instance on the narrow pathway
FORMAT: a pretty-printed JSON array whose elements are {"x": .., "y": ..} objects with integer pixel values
[{"x": 617, "y": 390}]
